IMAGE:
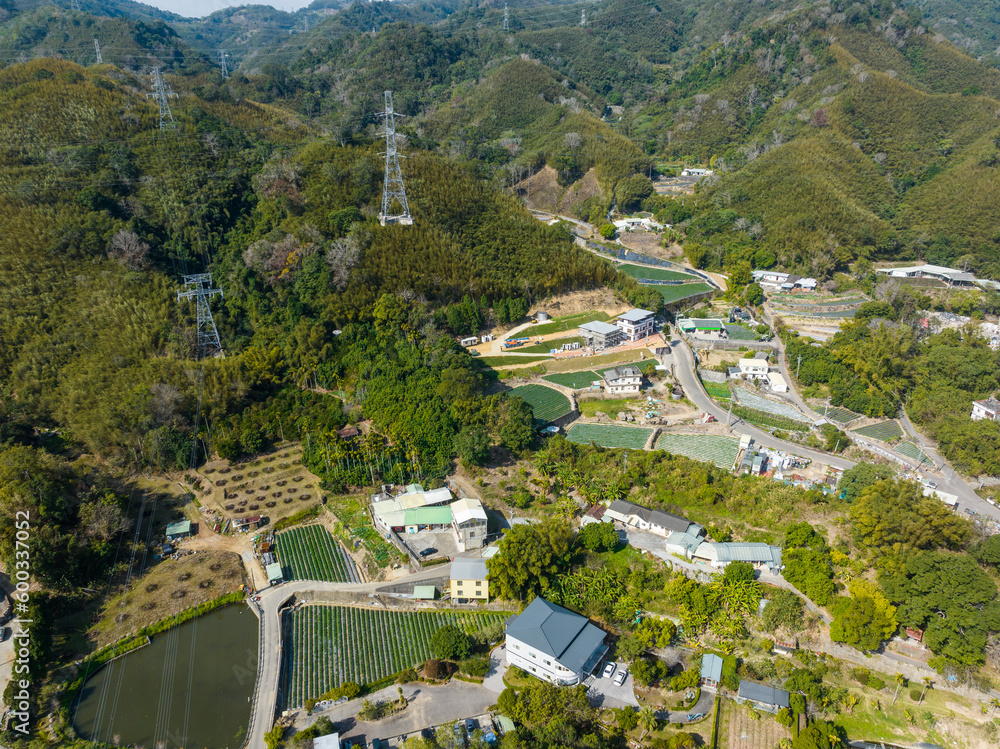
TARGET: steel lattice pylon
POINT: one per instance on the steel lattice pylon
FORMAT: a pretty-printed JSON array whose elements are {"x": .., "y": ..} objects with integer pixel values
[
  {"x": 393, "y": 190},
  {"x": 199, "y": 287},
  {"x": 161, "y": 92}
]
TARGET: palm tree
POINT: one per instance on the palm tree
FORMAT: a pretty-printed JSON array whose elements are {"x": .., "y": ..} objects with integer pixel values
[
  {"x": 900, "y": 681},
  {"x": 852, "y": 700},
  {"x": 648, "y": 720},
  {"x": 994, "y": 704},
  {"x": 927, "y": 683}
]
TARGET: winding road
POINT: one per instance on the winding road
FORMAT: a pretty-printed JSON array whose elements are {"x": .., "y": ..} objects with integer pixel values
[{"x": 267, "y": 691}]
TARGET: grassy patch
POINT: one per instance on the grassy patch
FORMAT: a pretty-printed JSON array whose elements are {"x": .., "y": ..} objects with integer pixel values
[
  {"x": 509, "y": 361},
  {"x": 683, "y": 291},
  {"x": 653, "y": 274},
  {"x": 610, "y": 406},
  {"x": 545, "y": 346},
  {"x": 764, "y": 419},
  {"x": 575, "y": 380},
  {"x": 598, "y": 363},
  {"x": 565, "y": 324}
]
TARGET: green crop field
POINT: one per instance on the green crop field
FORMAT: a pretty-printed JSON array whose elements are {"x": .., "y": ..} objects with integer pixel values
[
  {"x": 607, "y": 435},
  {"x": 509, "y": 361},
  {"x": 654, "y": 274},
  {"x": 545, "y": 346},
  {"x": 706, "y": 447},
  {"x": 548, "y": 404},
  {"x": 683, "y": 291},
  {"x": 310, "y": 553},
  {"x": 840, "y": 414},
  {"x": 739, "y": 333},
  {"x": 886, "y": 431},
  {"x": 328, "y": 645},
  {"x": 575, "y": 380},
  {"x": 913, "y": 452},
  {"x": 564, "y": 324},
  {"x": 718, "y": 391}
]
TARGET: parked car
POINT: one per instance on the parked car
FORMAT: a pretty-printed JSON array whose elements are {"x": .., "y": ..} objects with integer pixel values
[
  {"x": 470, "y": 725},
  {"x": 379, "y": 744},
  {"x": 459, "y": 734},
  {"x": 609, "y": 670},
  {"x": 5, "y": 635},
  {"x": 620, "y": 678},
  {"x": 428, "y": 552}
]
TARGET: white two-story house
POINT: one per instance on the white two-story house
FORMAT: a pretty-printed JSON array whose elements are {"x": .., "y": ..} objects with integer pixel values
[
  {"x": 987, "y": 409},
  {"x": 627, "y": 379},
  {"x": 553, "y": 643},
  {"x": 636, "y": 324}
]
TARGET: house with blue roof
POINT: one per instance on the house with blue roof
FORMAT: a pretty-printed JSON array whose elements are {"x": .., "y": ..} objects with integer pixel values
[{"x": 553, "y": 643}]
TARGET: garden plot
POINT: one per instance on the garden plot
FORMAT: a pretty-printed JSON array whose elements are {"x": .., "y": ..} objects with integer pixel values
[
  {"x": 310, "y": 553},
  {"x": 886, "y": 431},
  {"x": 681, "y": 291},
  {"x": 912, "y": 452},
  {"x": 739, "y": 333},
  {"x": 705, "y": 447},
  {"x": 841, "y": 415},
  {"x": 654, "y": 274},
  {"x": 547, "y": 404},
  {"x": 607, "y": 435},
  {"x": 739, "y": 730},
  {"x": 328, "y": 645},
  {"x": 756, "y": 402},
  {"x": 575, "y": 380}
]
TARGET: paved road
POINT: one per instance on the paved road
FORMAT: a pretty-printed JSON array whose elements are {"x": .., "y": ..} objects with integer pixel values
[
  {"x": 268, "y": 672},
  {"x": 695, "y": 392}
]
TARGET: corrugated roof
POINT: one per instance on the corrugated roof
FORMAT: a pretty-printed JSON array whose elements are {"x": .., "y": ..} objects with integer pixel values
[
  {"x": 569, "y": 638},
  {"x": 274, "y": 572},
  {"x": 764, "y": 694},
  {"x": 468, "y": 509},
  {"x": 599, "y": 327},
  {"x": 748, "y": 552},
  {"x": 666, "y": 520},
  {"x": 635, "y": 315},
  {"x": 178, "y": 528},
  {"x": 684, "y": 540},
  {"x": 425, "y": 592},
  {"x": 468, "y": 569},
  {"x": 711, "y": 667},
  {"x": 427, "y": 516}
]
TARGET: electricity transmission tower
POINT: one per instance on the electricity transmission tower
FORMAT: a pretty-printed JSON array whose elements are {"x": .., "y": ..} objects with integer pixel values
[
  {"x": 97, "y": 49},
  {"x": 393, "y": 190},
  {"x": 222, "y": 64},
  {"x": 583, "y": 16},
  {"x": 161, "y": 92},
  {"x": 75, "y": 5},
  {"x": 506, "y": 18},
  {"x": 199, "y": 288}
]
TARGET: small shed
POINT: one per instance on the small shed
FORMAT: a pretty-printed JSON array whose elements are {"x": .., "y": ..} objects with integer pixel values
[
  {"x": 762, "y": 696},
  {"x": 180, "y": 529},
  {"x": 506, "y": 724},
  {"x": 274, "y": 575},
  {"x": 711, "y": 670},
  {"x": 424, "y": 592}
]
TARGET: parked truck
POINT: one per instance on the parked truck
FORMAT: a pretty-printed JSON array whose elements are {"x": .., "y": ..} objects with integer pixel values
[{"x": 514, "y": 342}]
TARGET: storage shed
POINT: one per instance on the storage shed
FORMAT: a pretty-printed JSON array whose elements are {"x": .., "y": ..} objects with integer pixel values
[{"x": 180, "y": 529}]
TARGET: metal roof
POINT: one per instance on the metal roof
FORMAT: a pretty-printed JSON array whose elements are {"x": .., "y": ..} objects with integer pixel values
[
  {"x": 711, "y": 667},
  {"x": 468, "y": 509},
  {"x": 602, "y": 328},
  {"x": 748, "y": 552},
  {"x": 330, "y": 741},
  {"x": 425, "y": 592},
  {"x": 659, "y": 518},
  {"x": 181, "y": 527},
  {"x": 427, "y": 516},
  {"x": 685, "y": 540},
  {"x": 762, "y": 693},
  {"x": 468, "y": 569},
  {"x": 274, "y": 572},
  {"x": 635, "y": 315},
  {"x": 569, "y": 638},
  {"x": 619, "y": 372}
]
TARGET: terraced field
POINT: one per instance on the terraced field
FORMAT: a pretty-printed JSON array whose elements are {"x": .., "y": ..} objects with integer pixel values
[
  {"x": 608, "y": 435},
  {"x": 548, "y": 404},
  {"x": 886, "y": 431},
  {"x": 575, "y": 380},
  {"x": 912, "y": 452},
  {"x": 681, "y": 291},
  {"x": 841, "y": 415},
  {"x": 328, "y": 645},
  {"x": 654, "y": 274},
  {"x": 766, "y": 405},
  {"x": 310, "y": 553},
  {"x": 564, "y": 324},
  {"x": 739, "y": 333},
  {"x": 705, "y": 447}
]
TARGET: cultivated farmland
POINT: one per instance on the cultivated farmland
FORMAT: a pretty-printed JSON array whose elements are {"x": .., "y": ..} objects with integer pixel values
[
  {"x": 310, "y": 553},
  {"x": 706, "y": 447},
  {"x": 575, "y": 380},
  {"x": 654, "y": 274},
  {"x": 886, "y": 431},
  {"x": 757, "y": 403},
  {"x": 328, "y": 645},
  {"x": 681, "y": 291},
  {"x": 548, "y": 404},
  {"x": 841, "y": 415},
  {"x": 912, "y": 452},
  {"x": 607, "y": 435},
  {"x": 739, "y": 333}
]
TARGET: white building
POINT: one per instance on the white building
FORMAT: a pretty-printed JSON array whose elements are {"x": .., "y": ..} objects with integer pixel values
[
  {"x": 553, "y": 643},
  {"x": 949, "y": 276},
  {"x": 636, "y": 324},
  {"x": 642, "y": 224},
  {"x": 777, "y": 382},
  {"x": 657, "y": 521},
  {"x": 758, "y": 555},
  {"x": 749, "y": 369},
  {"x": 389, "y": 512},
  {"x": 626, "y": 379},
  {"x": 987, "y": 409},
  {"x": 469, "y": 523},
  {"x": 601, "y": 335}
]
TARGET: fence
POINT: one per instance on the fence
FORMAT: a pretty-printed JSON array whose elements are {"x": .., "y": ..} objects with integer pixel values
[
  {"x": 255, "y": 607},
  {"x": 878, "y": 450}
]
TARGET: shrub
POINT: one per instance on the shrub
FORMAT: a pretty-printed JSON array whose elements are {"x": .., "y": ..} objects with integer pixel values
[
  {"x": 477, "y": 667},
  {"x": 435, "y": 669},
  {"x": 875, "y": 683},
  {"x": 406, "y": 676}
]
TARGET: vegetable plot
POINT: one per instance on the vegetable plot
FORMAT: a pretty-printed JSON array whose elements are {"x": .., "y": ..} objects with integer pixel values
[
  {"x": 548, "y": 404},
  {"x": 328, "y": 645},
  {"x": 310, "y": 553},
  {"x": 609, "y": 436},
  {"x": 886, "y": 431},
  {"x": 718, "y": 450}
]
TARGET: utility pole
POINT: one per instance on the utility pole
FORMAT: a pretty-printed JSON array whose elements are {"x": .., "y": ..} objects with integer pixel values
[
  {"x": 162, "y": 93},
  {"x": 222, "y": 64},
  {"x": 506, "y": 18},
  {"x": 393, "y": 190},
  {"x": 798, "y": 367},
  {"x": 583, "y": 16},
  {"x": 199, "y": 288},
  {"x": 97, "y": 49}
]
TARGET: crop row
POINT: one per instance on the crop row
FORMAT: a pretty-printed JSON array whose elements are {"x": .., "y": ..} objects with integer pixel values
[
  {"x": 326, "y": 646},
  {"x": 711, "y": 448},
  {"x": 546, "y": 403},
  {"x": 310, "y": 553},
  {"x": 607, "y": 435},
  {"x": 757, "y": 403},
  {"x": 886, "y": 431}
]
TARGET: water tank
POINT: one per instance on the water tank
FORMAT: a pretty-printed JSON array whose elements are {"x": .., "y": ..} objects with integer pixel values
[{"x": 541, "y": 316}]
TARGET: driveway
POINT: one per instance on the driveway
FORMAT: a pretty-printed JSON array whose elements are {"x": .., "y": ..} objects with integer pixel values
[
  {"x": 498, "y": 666},
  {"x": 428, "y": 705},
  {"x": 703, "y": 706},
  {"x": 603, "y": 693}
]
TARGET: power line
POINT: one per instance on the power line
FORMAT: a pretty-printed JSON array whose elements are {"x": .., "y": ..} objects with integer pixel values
[{"x": 393, "y": 190}]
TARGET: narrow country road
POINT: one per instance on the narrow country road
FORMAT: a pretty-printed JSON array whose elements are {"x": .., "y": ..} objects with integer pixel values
[{"x": 267, "y": 691}]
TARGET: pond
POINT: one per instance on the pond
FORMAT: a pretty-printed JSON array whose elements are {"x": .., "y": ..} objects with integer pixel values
[{"x": 192, "y": 686}]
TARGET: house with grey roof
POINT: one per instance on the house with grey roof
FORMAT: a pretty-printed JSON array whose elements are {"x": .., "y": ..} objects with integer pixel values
[
  {"x": 758, "y": 555},
  {"x": 627, "y": 379},
  {"x": 711, "y": 670},
  {"x": 684, "y": 544},
  {"x": 762, "y": 696},
  {"x": 657, "y": 521},
  {"x": 599, "y": 335},
  {"x": 554, "y": 643},
  {"x": 469, "y": 579}
]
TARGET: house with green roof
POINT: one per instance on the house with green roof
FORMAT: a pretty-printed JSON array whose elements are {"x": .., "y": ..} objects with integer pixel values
[{"x": 554, "y": 643}]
